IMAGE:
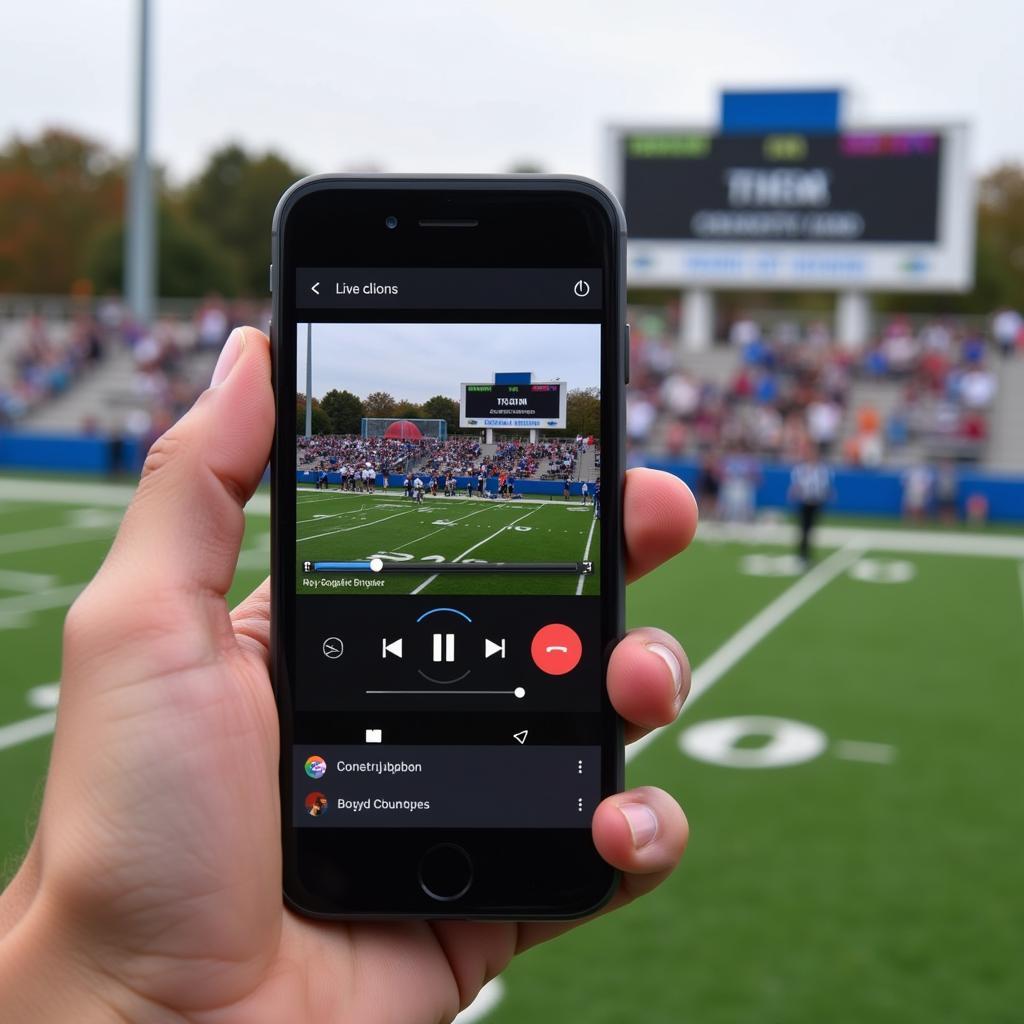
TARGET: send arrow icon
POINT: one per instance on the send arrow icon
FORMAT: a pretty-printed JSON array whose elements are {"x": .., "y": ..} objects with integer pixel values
[{"x": 520, "y": 737}]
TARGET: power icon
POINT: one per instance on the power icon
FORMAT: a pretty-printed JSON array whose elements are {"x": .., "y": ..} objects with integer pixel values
[{"x": 581, "y": 289}]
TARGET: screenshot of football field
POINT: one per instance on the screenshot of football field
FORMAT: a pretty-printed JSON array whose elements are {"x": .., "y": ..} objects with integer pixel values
[
  {"x": 849, "y": 759},
  {"x": 345, "y": 526}
]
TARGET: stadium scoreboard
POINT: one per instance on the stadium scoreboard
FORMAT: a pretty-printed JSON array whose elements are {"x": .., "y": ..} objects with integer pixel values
[
  {"x": 865, "y": 209},
  {"x": 508, "y": 406}
]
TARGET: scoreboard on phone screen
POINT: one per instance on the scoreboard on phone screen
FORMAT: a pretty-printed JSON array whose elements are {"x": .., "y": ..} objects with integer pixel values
[{"x": 508, "y": 406}]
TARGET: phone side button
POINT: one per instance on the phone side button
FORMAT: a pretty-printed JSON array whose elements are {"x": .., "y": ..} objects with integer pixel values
[
  {"x": 626, "y": 356},
  {"x": 445, "y": 872}
]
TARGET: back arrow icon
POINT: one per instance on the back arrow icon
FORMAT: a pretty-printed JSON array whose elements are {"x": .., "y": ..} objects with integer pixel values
[
  {"x": 315, "y": 288},
  {"x": 521, "y": 736}
]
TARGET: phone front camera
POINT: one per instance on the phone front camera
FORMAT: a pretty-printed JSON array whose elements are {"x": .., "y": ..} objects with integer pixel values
[{"x": 391, "y": 223}]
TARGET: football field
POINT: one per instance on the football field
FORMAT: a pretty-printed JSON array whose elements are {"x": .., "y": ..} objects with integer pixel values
[
  {"x": 345, "y": 526},
  {"x": 850, "y": 760}
]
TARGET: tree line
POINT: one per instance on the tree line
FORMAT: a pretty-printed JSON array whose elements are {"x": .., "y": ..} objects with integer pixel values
[{"x": 62, "y": 225}]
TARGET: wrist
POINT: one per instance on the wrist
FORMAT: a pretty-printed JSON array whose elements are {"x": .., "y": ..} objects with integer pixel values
[{"x": 46, "y": 975}]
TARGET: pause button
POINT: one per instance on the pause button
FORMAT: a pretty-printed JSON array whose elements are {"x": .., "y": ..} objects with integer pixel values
[{"x": 444, "y": 647}]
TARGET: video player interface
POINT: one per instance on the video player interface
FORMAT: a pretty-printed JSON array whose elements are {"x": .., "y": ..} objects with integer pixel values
[{"x": 449, "y": 475}]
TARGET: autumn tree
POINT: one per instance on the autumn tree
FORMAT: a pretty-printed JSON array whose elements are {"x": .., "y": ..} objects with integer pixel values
[{"x": 344, "y": 409}]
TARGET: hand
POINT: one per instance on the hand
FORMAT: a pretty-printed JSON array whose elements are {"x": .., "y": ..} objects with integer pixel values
[{"x": 152, "y": 888}]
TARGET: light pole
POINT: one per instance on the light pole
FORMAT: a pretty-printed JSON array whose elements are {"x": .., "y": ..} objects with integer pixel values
[
  {"x": 140, "y": 233},
  {"x": 309, "y": 379}
]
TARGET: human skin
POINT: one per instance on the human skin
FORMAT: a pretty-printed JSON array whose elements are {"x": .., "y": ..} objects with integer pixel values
[{"x": 151, "y": 891}]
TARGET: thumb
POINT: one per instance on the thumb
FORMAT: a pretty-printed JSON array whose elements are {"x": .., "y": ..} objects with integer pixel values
[{"x": 175, "y": 553}]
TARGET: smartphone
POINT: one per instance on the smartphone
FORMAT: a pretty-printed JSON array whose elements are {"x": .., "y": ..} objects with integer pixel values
[{"x": 447, "y": 560}]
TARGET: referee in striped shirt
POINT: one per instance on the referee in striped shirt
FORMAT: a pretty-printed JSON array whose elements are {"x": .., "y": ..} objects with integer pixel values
[{"x": 810, "y": 486}]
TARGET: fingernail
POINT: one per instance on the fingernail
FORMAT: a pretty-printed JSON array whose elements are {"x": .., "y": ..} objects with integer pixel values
[
  {"x": 643, "y": 823},
  {"x": 674, "y": 667},
  {"x": 228, "y": 357}
]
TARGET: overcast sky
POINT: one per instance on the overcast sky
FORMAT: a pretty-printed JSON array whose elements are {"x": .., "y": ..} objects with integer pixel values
[
  {"x": 460, "y": 85},
  {"x": 418, "y": 361}
]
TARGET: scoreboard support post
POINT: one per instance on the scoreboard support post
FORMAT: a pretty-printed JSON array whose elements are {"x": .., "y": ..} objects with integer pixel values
[
  {"x": 697, "y": 322},
  {"x": 853, "y": 319}
]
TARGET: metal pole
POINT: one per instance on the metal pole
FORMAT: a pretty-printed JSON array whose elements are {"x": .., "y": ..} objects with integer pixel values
[
  {"x": 309, "y": 380},
  {"x": 140, "y": 235}
]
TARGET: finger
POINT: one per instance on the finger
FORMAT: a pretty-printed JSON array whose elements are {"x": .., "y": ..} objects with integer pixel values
[
  {"x": 643, "y": 833},
  {"x": 178, "y": 543},
  {"x": 648, "y": 680},
  {"x": 659, "y": 519}
]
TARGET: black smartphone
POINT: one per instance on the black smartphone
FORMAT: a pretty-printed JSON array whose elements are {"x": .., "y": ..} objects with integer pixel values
[{"x": 447, "y": 559}]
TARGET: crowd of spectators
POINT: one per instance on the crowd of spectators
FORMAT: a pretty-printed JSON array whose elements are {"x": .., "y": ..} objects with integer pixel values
[
  {"x": 335, "y": 452},
  {"x": 46, "y": 362},
  {"x": 461, "y": 456},
  {"x": 42, "y": 357},
  {"x": 792, "y": 387}
]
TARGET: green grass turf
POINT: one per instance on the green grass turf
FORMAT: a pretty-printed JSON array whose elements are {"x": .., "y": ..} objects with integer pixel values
[
  {"x": 831, "y": 890},
  {"x": 343, "y": 526}
]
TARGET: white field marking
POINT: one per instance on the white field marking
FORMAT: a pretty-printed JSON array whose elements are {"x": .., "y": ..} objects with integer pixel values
[
  {"x": 440, "y": 499},
  {"x": 747, "y": 637},
  {"x": 27, "y": 729},
  {"x": 586, "y": 555},
  {"x": 257, "y": 556},
  {"x": 349, "y": 529},
  {"x": 319, "y": 517},
  {"x": 25, "y": 581},
  {"x": 44, "y": 697},
  {"x": 858, "y": 750},
  {"x": 486, "y": 1000},
  {"x": 1020, "y": 569},
  {"x": 56, "y": 492},
  {"x": 468, "y": 515},
  {"x": 15, "y": 612},
  {"x": 927, "y": 542},
  {"x": 94, "y": 518},
  {"x": 51, "y": 537},
  {"x": 59, "y": 492},
  {"x": 760, "y": 564},
  {"x": 458, "y": 558},
  {"x": 883, "y": 570}
]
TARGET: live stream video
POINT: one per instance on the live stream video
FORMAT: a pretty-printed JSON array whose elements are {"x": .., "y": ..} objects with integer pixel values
[{"x": 448, "y": 459}]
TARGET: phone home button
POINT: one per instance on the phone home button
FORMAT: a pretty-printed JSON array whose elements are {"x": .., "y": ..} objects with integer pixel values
[{"x": 445, "y": 872}]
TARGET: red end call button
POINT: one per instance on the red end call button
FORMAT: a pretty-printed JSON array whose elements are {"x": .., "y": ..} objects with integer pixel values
[{"x": 556, "y": 649}]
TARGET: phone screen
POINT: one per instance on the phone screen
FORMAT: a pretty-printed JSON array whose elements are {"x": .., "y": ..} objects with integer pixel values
[{"x": 446, "y": 553}]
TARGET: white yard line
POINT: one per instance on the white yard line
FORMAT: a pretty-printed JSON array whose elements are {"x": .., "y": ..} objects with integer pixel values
[
  {"x": 25, "y": 582},
  {"x": 933, "y": 542},
  {"x": 1020, "y": 570},
  {"x": 508, "y": 526},
  {"x": 749, "y": 636},
  {"x": 14, "y": 609},
  {"x": 586, "y": 555},
  {"x": 859, "y": 750},
  {"x": 469, "y": 515},
  {"x": 349, "y": 529},
  {"x": 320, "y": 517},
  {"x": 52, "y": 537},
  {"x": 27, "y": 729}
]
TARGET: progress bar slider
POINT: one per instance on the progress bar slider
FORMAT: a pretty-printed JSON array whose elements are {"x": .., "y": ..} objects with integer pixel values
[{"x": 377, "y": 565}]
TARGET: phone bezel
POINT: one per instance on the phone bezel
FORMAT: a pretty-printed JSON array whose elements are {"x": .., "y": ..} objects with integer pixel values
[{"x": 572, "y": 881}]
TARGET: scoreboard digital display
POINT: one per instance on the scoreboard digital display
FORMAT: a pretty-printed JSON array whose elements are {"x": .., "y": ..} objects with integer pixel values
[
  {"x": 529, "y": 406},
  {"x": 850, "y": 187},
  {"x": 855, "y": 209}
]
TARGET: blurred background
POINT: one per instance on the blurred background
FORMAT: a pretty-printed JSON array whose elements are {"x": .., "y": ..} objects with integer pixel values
[{"x": 826, "y": 210}]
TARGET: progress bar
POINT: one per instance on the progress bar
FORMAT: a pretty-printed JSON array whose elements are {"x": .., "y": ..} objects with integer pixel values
[
  {"x": 376, "y": 565},
  {"x": 519, "y": 692}
]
